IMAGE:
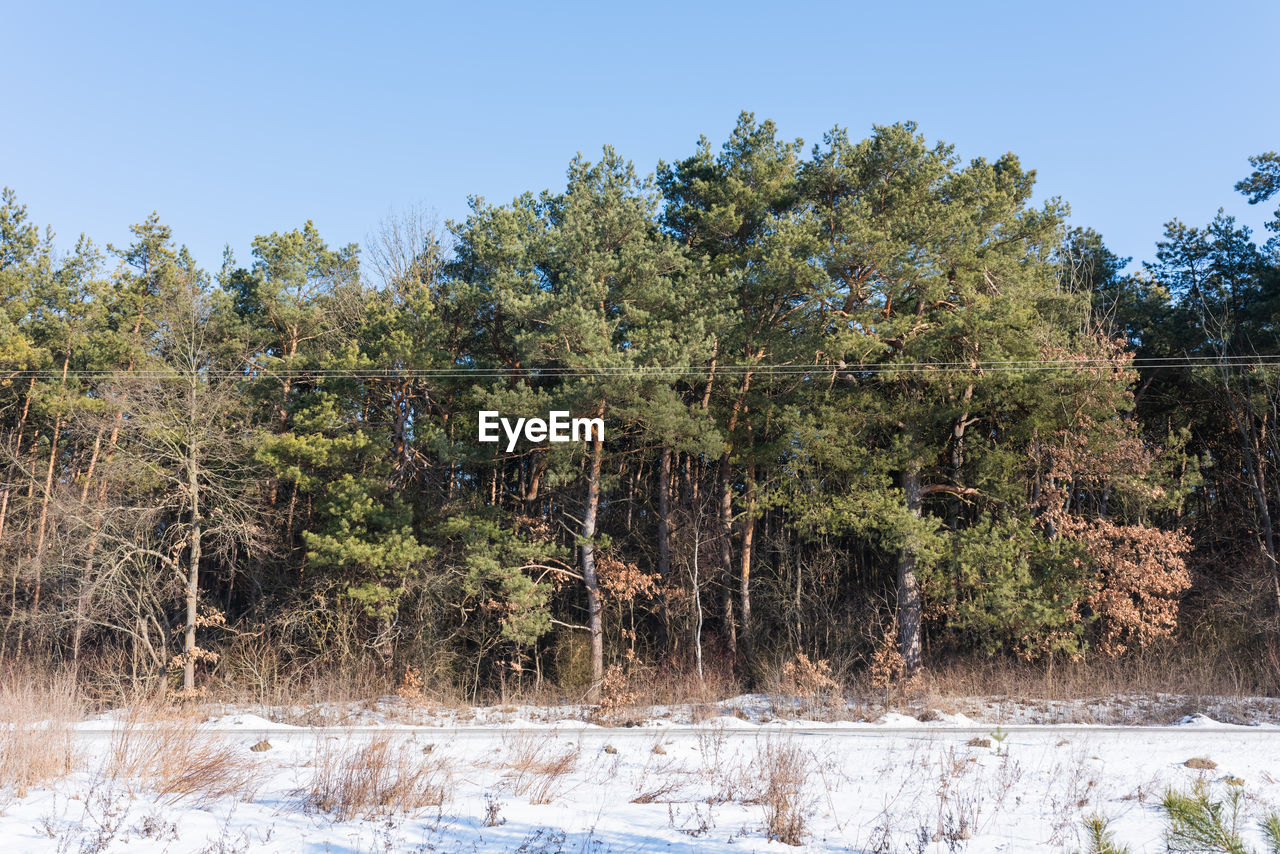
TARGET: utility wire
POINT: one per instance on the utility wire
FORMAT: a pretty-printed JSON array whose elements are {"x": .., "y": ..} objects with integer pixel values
[{"x": 783, "y": 369}]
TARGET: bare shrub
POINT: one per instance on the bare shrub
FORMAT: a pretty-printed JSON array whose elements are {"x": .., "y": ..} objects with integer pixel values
[
  {"x": 959, "y": 806},
  {"x": 698, "y": 823},
  {"x": 253, "y": 668},
  {"x": 155, "y": 826},
  {"x": 106, "y": 806},
  {"x": 711, "y": 744},
  {"x": 616, "y": 692},
  {"x": 780, "y": 770},
  {"x": 808, "y": 679},
  {"x": 410, "y": 688},
  {"x": 886, "y": 661},
  {"x": 375, "y": 778},
  {"x": 492, "y": 811},
  {"x": 813, "y": 684}
]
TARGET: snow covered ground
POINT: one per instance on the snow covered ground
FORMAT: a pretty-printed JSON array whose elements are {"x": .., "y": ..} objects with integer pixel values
[{"x": 538, "y": 781}]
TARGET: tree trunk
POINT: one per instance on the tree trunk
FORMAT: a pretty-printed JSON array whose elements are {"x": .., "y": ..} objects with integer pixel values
[
  {"x": 87, "y": 572},
  {"x": 726, "y": 523},
  {"x": 744, "y": 575},
  {"x": 82, "y": 595},
  {"x": 909, "y": 603},
  {"x": 594, "y": 604},
  {"x": 17, "y": 452},
  {"x": 535, "y": 482},
  {"x": 664, "y": 539},
  {"x": 193, "y": 574},
  {"x": 631, "y": 492},
  {"x": 1257, "y": 484},
  {"x": 48, "y": 486},
  {"x": 282, "y": 411},
  {"x": 697, "y": 596},
  {"x": 725, "y": 514},
  {"x": 119, "y": 420},
  {"x": 711, "y": 374},
  {"x": 957, "y": 458}
]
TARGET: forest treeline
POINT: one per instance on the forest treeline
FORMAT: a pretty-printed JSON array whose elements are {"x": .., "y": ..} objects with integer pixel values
[{"x": 864, "y": 402}]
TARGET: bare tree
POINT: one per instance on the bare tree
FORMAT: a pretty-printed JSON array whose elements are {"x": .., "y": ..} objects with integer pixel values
[
  {"x": 405, "y": 248},
  {"x": 185, "y": 433}
]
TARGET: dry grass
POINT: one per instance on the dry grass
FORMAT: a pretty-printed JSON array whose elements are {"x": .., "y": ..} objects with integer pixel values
[
  {"x": 312, "y": 696},
  {"x": 163, "y": 751},
  {"x": 537, "y": 767},
  {"x": 369, "y": 779},
  {"x": 663, "y": 792},
  {"x": 1146, "y": 687},
  {"x": 1174, "y": 670},
  {"x": 781, "y": 769},
  {"x": 821, "y": 688},
  {"x": 672, "y": 685},
  {"x": 658, "y": 780},
  {"x": 35, "y": 731},
  {"x": 1155, "y": 686}
]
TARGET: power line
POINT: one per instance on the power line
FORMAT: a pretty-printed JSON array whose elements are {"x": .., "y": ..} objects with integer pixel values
[{"x": 783, "y": 369}]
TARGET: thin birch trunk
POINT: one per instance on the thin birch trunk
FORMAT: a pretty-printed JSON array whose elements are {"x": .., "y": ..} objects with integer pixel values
[{"x": 595, "y": 605}]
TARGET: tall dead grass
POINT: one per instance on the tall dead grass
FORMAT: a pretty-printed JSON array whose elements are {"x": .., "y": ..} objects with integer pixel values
[
  {"x": 36, "y": 734},
  {"x": 1170, "y": 682},
  {"x": 781, "y": 769},
  {"x": 538, "y": 767},
  {"x": 369, "y": 779},
  {"x": 163, "y": 751},
  {"x": 258, "y": 678},
  {"x": 1182, "y": 670}
]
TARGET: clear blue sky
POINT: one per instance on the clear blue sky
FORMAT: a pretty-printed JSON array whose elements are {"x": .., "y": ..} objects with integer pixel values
[{"x": 234, "y": 119}]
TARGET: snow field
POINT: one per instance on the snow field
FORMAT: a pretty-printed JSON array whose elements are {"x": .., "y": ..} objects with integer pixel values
[{"x": 724, "y": 785}]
